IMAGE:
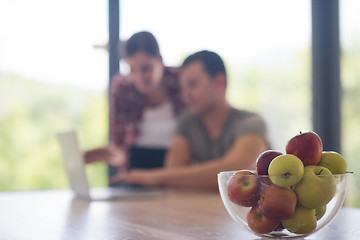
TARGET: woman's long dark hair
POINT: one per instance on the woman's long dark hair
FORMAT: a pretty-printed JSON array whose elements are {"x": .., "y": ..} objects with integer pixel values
[{"x": 142, "y": 42}]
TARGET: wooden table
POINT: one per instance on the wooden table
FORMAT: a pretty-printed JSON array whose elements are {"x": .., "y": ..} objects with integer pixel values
[{"x": 176, "y": 215}]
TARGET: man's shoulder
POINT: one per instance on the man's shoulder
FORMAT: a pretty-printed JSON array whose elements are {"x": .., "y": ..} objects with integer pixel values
[
  {"x": 187, "y": 117},
  {"x": 247, "y": 122},
  {"x": 187, "y": 123},
  {"x": 243, "y": 114}
]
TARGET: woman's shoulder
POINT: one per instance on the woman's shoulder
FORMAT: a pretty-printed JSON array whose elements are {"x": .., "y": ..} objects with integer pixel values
[
  {"x": 121, "y": 83},
  {"x": 120, "y": 80},
  {"x": 171, "y": 82},
  {"x": 123, "y": 91},
  {"x": 172, "y": 70},
  {"x": 171, "y": 75}
]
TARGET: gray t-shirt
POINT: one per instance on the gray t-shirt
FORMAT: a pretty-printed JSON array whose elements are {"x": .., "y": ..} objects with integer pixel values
[{"x": 204, "y": 149}]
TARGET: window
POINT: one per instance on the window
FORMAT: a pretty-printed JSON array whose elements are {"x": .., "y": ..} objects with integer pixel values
[
  {"x": 350, "y": 78},
  {"x": 51, "y": 79}
]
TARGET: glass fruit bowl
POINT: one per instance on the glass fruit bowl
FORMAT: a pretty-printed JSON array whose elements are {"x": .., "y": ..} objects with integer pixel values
[{"x": 270, "y": 211}]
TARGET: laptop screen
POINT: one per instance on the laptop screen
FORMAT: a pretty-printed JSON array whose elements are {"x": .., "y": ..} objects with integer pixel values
[{"x": 73, "y": 163}]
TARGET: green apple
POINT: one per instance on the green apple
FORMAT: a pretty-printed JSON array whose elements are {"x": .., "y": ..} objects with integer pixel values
[
  {"x": 316, "y": 188},
  {"x": 303, "y": 221},
  {"x": 319, "y": 213},
  {"x": 334, "y": 162},
  {"x": 286, "y": 170}
]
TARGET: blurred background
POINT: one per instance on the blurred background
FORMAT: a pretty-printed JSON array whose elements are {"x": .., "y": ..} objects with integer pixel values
[{"x": 54, "y": 73}]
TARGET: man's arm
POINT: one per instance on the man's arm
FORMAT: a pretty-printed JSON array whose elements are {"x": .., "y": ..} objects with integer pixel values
[
  {"x": 179, "y": 153},
  {"x": 242, "y": 155}
]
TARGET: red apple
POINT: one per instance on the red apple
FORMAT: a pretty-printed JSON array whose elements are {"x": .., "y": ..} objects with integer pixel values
[
  {"x": 277, "y": 203},
  {"x": 263, "y": 161},
  {"x": 244, "y": 188},
  {"x": 306, "y": 146},
  {"x": 259, "y": 223}
]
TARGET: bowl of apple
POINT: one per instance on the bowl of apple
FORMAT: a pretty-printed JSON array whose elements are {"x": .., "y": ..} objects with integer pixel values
[{"x": 289, "y": 195}]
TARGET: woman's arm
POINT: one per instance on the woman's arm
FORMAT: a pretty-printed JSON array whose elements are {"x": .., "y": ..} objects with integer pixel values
[{"x": 112, "y": 155}]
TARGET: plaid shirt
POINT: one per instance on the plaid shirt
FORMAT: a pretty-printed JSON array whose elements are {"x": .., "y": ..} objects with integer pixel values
[{"x": 127, "y": 105}]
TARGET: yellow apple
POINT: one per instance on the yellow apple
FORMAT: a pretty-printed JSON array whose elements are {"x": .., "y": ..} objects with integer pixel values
[
  {"x": 286, "y": 170},
  {"x": 316, "y": 188},
  {"x": 303, "y": 221},
  {"x": 334, "y": 162}
]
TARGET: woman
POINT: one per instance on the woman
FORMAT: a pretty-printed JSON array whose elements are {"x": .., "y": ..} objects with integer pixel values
[{"x": 144, "y": 108}]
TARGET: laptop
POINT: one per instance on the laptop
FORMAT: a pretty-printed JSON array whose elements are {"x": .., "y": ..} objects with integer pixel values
[{"x": 74, "y": 166}]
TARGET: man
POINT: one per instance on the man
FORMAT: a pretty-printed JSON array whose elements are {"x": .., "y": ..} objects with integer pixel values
[{"x": 212, "y": 137}]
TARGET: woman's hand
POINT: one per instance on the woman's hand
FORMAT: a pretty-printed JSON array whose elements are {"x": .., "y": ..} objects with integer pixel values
[{"x": 111, "y": 155}]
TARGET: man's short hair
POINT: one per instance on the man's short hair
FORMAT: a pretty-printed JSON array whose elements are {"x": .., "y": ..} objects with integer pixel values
[{"x": 213, "y": 64}]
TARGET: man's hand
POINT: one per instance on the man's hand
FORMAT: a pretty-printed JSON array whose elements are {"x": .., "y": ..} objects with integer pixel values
[
  {"x": 111, "y": 155},
  {"x": 148, "y": 178}
]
